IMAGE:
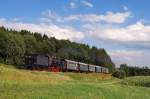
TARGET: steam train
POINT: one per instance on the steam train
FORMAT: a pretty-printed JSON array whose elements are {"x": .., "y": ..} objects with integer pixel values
[{"x": 46, "y": 62}]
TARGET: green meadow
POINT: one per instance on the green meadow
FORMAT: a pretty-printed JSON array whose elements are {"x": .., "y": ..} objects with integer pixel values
[{"x": 25, "y": 84}]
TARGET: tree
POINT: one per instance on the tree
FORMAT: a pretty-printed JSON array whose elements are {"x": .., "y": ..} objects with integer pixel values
[
  {"x": 46, "y": 47},
  {"x": 125, "y": 68},
  {"x": 135, "y": 71},
  {"x": 31, "y": 45},
  {"x": 38, "y": 36},
  {"x": 3, "y": 41},
  {"x": 15, "y": 49},
  {"x": 119, "y": 74}
]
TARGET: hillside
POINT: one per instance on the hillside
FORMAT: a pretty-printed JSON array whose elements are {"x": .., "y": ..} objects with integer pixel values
[
  {"x": 24, "y": 84},
  {"x": 15, "y": 44}
]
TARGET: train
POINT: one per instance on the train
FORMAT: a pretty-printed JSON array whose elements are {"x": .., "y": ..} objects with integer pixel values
[{"x": 53, "y": 64}]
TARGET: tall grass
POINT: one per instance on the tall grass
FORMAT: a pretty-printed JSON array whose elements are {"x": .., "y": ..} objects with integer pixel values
[{"x": 137, "y": 81}]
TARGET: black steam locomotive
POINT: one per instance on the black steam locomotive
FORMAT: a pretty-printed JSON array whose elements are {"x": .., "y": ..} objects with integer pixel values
[{"x": 46, "y": 62}]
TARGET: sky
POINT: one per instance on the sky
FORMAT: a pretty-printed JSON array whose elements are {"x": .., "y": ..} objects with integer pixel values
[{"x": 122, "y": 27}]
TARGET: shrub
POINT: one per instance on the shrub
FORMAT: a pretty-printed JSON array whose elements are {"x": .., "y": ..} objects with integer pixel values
[
  {"x": 1, "y": 60},
  {"x": 119, "y": 74}
]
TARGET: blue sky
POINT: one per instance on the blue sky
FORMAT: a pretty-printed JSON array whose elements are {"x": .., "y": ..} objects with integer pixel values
[{"x": 122, "y": 27}]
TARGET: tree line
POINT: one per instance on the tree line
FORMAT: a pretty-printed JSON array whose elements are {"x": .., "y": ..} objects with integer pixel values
[
  {"x": 15, "y": 44},
  {"x": 127, "y": 71},
  {"x": 134, "y": 70}
]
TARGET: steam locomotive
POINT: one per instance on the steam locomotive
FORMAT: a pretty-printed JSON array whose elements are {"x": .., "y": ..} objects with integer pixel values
[{"x": 46, "y": 62}]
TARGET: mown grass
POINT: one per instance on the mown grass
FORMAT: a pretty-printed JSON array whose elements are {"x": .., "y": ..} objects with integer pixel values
[
  {"x": 23, "y": 84},
  {"x": 137, "y": 81}
]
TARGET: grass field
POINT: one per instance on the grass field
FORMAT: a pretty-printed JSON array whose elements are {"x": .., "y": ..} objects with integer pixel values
[
  {"x": 23, "y": 84},
  {"x": 137, "y": 81}
]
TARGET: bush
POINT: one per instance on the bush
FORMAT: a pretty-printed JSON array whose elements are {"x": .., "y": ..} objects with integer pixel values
[
  {"x": 1, "y": 60},
  {"x": 119, "y": 74}
]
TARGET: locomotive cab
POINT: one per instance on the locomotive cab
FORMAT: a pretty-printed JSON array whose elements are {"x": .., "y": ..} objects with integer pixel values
[
  {"x": 36, "y": 61},
  {"x": 57, "y": 65}
]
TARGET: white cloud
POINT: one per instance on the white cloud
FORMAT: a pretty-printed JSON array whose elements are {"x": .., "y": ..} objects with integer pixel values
[
  {"x": 127, "y": 55},
  {"x": 137, "y": 32},
  {"x": 17, "y": 19},
  {"x": 118, "y": 17},
  {"x": 87, "y": 3},
  {"x": 78, "y": 3},
  {"x": 60, "y": 32},
  {"x": 2, "y": 21},
  {"x": 109, "y": 17},
  {"x": 130, "y": 57},
  {"x": 125, "y": 8},
  {"x": 49, "y": 16},
  {"x": 72, "y": 5}
]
